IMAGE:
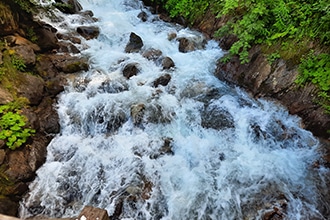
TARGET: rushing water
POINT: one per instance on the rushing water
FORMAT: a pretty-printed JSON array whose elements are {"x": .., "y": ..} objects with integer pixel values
[{"x": 200, "y": 149}]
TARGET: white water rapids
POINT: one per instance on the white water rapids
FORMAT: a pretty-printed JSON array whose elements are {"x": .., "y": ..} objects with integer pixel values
[{"x": 203, "y": 149}]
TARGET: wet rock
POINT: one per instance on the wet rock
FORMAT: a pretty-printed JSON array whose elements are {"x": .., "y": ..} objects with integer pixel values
[
  {"x": 166, "y": 149},
  {"x": 134, "y": 44},
  {"x": 185, "y": 45},
  {"x": 69, "y": 64},
  {"x": 88, "y": 32},
  {"x": 115, "y": 121},
  {"x": 68, "y": 37},
  {"x": 152, "y": 54},
  {"x": 37, "y": 152},
  {"x": 5, "y": 96},
  {"x": 26, "y": 53},
  {"x": 48, "y": 117},
  {"x": 143, "y": 16},
  {"x": 156, "y": 114},
  {"x": 109, "y": 86},
  {"x": 162, "y": 80},
  {"x": 31, "y": 87},
  {"x": 137, "y": 113},
  {"x": 8, "y": 207},
  {"x": 171, "y": 36},
  {"x": 217, "y": 118},
  {"x": 55, "y": 86},
  {"x": 87, "y": 13},
  {"x": 190, "y": 44},
  {"x": 167, "y": 63},
  {"x": 130, "y": 70},
  {"x": 66, "y": 47},
  {"x": 68, "y": 6}
]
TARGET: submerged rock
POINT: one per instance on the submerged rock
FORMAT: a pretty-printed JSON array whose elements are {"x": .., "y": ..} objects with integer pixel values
[
  {"x": 152, "y": 54},
  {"x": 137, "y": 113},
  {"x": 217, "y": 118},
  {"x": 162, "y": 80},
  {"x": 88, "y": 32}
]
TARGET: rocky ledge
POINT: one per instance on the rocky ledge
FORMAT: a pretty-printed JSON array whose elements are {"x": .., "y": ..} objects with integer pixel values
[{"x": 44, "y": 60}]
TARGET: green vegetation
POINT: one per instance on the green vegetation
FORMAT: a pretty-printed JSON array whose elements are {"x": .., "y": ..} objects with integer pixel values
[
  {"x": 18, "y": 63},
  {"x": 13, "y": 125},
  {"x": 287, "y": 29},
  {"x": 28, "y": 6},
  {"x": 13, "y": 128}
]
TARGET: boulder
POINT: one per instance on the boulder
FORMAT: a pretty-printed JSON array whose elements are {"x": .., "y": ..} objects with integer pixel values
[
  {"x": 47, "y": 39},
  {"x": 8, "y": 207},
  {"x": 88, "y": 32},
  {"x": 55, "y": 86},
  {"x": 26, "y": 53},
  {"x": 21, "y": 41},
  {"x": 143, "y": 16},
  {"x": 67, "y": 47},
  {"x": 69, "y": 64},
  {"x": 185, "y": 45},
  {"x": 31, "y": 87},
  {"x": 135, "y": 43},
  {"x": 167, "y": 63},
  {"x": 18, "y": 166},
  {"x": 190, "y": 44},
  {"x": 48, "y": 117},
  {"x": 130, "y": 70}
]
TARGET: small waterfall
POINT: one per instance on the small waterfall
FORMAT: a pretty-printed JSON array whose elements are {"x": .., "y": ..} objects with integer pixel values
[{"x": 191, "y": 148}]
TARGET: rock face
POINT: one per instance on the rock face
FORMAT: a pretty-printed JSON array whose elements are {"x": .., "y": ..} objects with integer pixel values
[
  {"x": 277, "y": 81},
  {"x": 274, "y": 81},
  {"x": 40, "y": 89}
]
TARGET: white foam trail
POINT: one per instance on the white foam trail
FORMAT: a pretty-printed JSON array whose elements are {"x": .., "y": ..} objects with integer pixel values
[{"x": 227, "y": 156}]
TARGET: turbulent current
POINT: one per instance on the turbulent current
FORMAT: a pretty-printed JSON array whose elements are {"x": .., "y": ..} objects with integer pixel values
[{"x": 191, "y": 148}]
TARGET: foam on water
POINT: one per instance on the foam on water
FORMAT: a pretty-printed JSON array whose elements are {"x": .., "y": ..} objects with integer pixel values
[{"x": 203, "y": 150}]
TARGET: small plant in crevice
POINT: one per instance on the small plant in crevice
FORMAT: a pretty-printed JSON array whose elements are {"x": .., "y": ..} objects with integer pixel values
[
  {"x": 18, "y": 63},
  {"x": 13, "y": 126}
]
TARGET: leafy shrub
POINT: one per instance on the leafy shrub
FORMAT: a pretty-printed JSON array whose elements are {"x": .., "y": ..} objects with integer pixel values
[{"x": 13, "y": 126}]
